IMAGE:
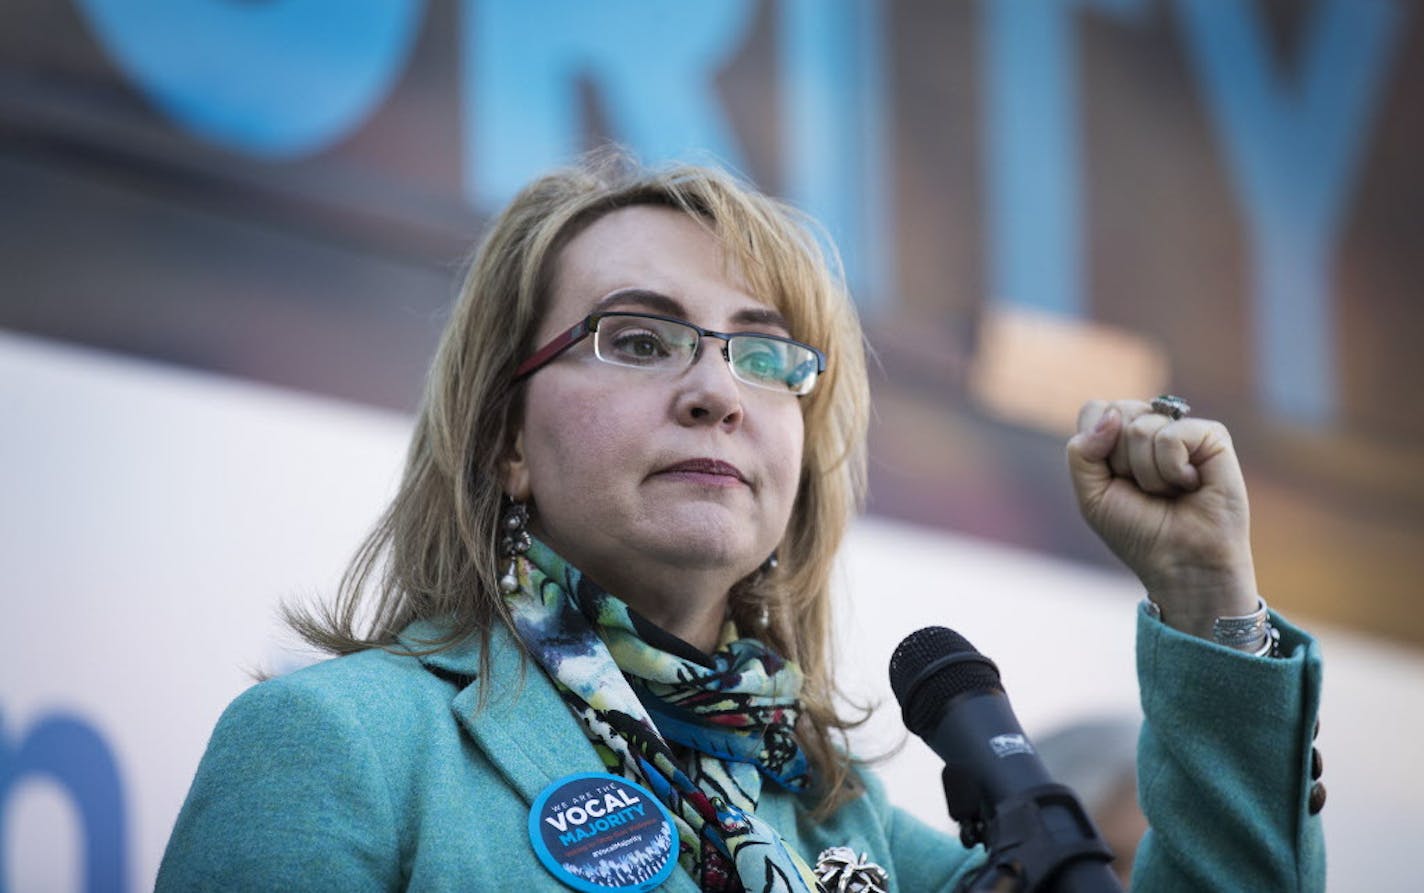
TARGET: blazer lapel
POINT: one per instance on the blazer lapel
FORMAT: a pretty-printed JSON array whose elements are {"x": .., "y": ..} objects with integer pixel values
[{"x": 524, "y": 726}]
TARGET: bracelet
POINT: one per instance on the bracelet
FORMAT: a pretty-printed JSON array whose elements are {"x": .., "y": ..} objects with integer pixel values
[
  {"x": 1244, "y": 633},
  {"x": 1252, "y": 632},
  {"x": 1271, "y": 647}
]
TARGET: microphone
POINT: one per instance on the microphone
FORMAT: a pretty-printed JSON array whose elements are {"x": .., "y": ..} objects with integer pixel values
[{"x": 1038, "y": 836}]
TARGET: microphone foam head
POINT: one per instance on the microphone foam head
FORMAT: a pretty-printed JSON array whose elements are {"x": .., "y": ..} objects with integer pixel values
[{"x": 930, "y": 667}]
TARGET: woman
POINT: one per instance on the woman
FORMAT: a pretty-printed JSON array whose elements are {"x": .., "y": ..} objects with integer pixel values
[{"x": 653, "y": 381}]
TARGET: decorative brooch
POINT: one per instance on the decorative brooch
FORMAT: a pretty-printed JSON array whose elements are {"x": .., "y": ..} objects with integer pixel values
[{"x": 839, "y": 871}]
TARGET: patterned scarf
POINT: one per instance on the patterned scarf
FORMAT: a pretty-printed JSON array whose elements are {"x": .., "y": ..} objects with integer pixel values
[{"x": 736, "y": 716}]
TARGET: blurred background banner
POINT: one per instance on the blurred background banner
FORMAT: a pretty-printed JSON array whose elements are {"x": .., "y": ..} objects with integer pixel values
[{"x": 230, "y": 234}]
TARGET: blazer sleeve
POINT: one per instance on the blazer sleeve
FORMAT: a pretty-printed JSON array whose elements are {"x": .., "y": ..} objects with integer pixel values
[
  {"x": 1224, "y": 764},
  {"x": 288, "y": 796}
]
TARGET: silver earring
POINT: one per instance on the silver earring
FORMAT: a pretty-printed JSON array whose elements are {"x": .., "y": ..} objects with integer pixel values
[
  {"x": 763, "y": 617},
  {"x": 768, "y": 567},
  {"x": 513, "y": 543}
]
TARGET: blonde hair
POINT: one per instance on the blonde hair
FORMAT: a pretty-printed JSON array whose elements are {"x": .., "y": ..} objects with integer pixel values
[{"x": 434, "y": 551}]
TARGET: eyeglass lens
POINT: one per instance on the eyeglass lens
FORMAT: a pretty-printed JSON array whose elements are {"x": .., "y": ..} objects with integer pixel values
[{"x": 632, "y": 340}]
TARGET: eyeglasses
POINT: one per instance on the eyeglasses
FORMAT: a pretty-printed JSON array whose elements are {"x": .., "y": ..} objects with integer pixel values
[{"x": 666, "y": 344}]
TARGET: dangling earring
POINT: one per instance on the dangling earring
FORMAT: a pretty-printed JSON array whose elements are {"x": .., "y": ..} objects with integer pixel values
[
  {"x": 768, "y": 567},
  {"x": 514, "y": 543}
]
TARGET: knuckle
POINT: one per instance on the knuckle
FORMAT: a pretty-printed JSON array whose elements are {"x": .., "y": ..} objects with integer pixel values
[
  {"x": 1092, "y": 409},
  {"x": 1144, "y": 424}
]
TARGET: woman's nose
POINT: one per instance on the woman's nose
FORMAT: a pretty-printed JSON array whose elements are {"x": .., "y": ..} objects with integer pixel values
[{"x": 708, "y": 392}]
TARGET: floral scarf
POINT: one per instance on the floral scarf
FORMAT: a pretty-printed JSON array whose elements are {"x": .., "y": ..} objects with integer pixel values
[{"x": 631, "y": 698}]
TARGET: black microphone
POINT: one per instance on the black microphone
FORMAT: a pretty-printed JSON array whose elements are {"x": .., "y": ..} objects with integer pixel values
[{"x": 1038, "y": 836}]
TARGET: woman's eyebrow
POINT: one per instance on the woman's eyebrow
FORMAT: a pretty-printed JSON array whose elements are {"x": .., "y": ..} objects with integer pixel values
[
  {"x": 669, "y": 306},
  {"x": 760, "y": 316},
  {"x": 642, "y": 297}
]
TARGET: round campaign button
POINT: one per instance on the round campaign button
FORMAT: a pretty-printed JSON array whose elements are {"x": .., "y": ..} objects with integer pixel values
[{"x": 598, "y": 832}]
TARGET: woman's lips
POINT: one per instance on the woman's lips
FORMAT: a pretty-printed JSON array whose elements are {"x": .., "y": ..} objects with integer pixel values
[{"x": 709, "y": 472}]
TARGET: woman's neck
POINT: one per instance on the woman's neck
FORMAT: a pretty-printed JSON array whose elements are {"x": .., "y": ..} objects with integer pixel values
[
  {"x": 687, "y": 604},
  {"x": 681, "y": 597}
]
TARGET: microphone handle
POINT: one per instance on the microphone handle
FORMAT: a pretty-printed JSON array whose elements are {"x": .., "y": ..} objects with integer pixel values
[
  {"x": 1039, "y": 837},
  {"x": 1086, "y": 877},
  {"x": 1080, "y": 877},
  {"x": 1042, "y": 841},
  {"x": 979, "y": 735}
]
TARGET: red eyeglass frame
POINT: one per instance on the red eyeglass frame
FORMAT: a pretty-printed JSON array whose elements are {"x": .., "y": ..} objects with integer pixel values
[{"x": 588, "y": 325}]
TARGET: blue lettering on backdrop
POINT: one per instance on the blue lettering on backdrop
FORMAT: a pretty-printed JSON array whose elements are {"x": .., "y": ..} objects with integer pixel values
[
  {"x": 278, "y": 79},
  {"x": 654, "y": 66},
  {"x": 290, "y": 77},
  {"x": 834, "y": 132},
  {"x": 1293, "y": 152},
  {"x": 1033, "y": 168},
  {"x": 69, "y": 751}
]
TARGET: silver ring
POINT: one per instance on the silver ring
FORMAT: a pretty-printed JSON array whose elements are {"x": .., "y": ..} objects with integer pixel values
[{"x": 1171, "y": 406}]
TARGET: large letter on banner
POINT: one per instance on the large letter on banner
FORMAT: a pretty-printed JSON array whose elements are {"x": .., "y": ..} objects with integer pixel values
[
  {"x": 67, "y": 751},
  {"x": 279, "y": 79},
  {"x": 653, "y": 66},
  {"x": 1293, "y": 143}
]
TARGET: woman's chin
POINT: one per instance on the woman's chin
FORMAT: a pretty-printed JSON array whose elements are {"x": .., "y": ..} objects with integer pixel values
[{"x": 706, "y": 540}]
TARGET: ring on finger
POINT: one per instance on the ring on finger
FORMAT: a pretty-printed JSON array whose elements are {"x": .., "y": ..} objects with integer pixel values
[{"x": 1170, "y": 405}]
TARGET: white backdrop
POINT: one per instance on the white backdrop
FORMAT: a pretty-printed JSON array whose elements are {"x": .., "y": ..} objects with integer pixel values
[{"x": 152, "y": 519}]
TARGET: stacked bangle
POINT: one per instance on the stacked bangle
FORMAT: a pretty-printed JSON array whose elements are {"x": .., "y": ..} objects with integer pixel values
[{"x": 1250, "y": 632}]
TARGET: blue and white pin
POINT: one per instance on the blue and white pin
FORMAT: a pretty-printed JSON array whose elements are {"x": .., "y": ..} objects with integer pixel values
[{"x": 597, "y": 832}]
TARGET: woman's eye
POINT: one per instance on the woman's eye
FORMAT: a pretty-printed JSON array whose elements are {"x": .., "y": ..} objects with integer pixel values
[
  {"x": 640, "y": 345},
  {"x": 762, "y": 364}
]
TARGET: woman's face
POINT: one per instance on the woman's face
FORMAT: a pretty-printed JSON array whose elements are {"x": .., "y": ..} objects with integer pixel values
[{"x": 618, "y": 461}]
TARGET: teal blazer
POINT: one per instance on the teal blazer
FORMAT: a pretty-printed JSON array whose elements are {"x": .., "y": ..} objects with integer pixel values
[{"x": 381, "y": 771}]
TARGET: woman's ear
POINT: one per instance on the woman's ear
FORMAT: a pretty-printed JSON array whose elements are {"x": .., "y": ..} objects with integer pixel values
[{"x": 516, "y": 470}]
